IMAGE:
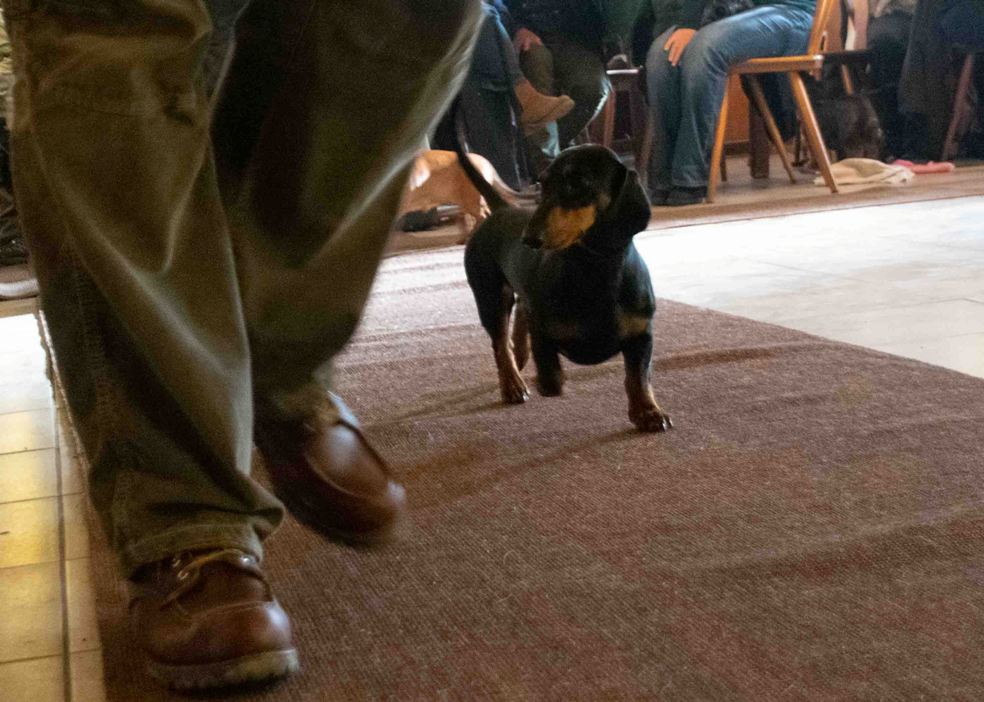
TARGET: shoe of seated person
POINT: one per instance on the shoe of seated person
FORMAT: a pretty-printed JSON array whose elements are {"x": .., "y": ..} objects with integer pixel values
[
  {"x": 539, "y": 110},
  {"x": 209, "y": 620},
  {"x": 328, "y": 475},
  {"x": 681, "y": 196}
]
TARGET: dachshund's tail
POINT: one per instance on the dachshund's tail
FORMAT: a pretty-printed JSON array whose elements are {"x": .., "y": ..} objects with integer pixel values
[{"x": 490, "y": 191}]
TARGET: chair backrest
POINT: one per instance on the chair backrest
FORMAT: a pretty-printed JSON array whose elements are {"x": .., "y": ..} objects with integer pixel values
[{"x": 818, "y": 34}]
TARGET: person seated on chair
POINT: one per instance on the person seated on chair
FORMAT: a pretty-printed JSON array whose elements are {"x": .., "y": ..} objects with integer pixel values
[
  {"x": 962, "y": 26},
  {"x": 561, "y": 50},
  {"x": 687, "y": 72},
  {"x": 938, "y": 26},
  {"x": 888, "y": 37},
  {"x": 494, "y": 45},
  {"x": 497, "y": 100}
]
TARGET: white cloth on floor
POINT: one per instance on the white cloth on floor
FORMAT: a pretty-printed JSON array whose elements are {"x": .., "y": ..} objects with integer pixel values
[{"x": 856, "y": 171}]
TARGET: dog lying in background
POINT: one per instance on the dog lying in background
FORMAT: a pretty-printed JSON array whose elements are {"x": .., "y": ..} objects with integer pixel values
[
  {"x": 569, "y": 268},
  {"x": 850, "y": 126},
  {"x": 437, "y": 179},
  {"x": 849, "y": 123}
]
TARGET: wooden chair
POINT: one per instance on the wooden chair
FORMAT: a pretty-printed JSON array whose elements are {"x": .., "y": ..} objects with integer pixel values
[
  {"x": 853, "y": 57},
  {"x": 626, "y": 82},
  {"x": 812, "y": 62}
]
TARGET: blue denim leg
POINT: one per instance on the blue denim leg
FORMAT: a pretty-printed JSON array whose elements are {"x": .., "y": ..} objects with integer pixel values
[
  {"x": 687, "y": 99},
  {"x": 663, "y": 87}
]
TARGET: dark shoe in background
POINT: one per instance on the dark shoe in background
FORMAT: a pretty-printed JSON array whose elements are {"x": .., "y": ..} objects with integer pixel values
[
  {"x": 16, "y": 278},
  {"x": 657, "y": 198},
  {"x": 679, "y": 197},
  {"x": 329, "y": 476},
  {"x": 209, "y": 620},
  {"x": 423, "y": 220},
  {"x": 539, "y": 110}
]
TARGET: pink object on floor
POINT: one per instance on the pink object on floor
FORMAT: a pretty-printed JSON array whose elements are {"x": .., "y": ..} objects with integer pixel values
[{"x": 928, "y": 167}]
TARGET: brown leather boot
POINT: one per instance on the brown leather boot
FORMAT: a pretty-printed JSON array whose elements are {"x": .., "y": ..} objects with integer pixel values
[
  {"x": 539, "y": 110},
  {"x": 329, "y": 476},
  {"x": 208, "y": 620}
]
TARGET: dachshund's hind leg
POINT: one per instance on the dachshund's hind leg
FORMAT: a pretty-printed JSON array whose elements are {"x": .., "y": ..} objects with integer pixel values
[{"x": 521, "y": 335}]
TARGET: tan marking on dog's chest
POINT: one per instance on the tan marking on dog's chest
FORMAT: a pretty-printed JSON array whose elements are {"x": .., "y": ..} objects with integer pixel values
[{"x": 565, "y": 227}]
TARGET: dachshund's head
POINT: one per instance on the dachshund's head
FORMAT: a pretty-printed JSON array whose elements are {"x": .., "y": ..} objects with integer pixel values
[
  {"x": 850, "y": 126},
  {"x": 589, "y": 197}
]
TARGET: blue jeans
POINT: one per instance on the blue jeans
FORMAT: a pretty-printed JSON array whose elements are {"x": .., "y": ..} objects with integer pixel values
[
  {"x": 494, "y": 55},
  {"x": 686, "y": 99}
]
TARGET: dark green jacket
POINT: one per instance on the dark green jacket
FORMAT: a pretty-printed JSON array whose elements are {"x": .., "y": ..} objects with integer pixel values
[{"x": 596, "y": 22}]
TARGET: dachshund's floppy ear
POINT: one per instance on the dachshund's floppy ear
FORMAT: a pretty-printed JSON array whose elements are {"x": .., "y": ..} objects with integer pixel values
[{"x": 630, "y": 211}]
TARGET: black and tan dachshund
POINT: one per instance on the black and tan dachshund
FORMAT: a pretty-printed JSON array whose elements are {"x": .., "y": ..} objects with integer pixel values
[{"x": 569, "y": 268}]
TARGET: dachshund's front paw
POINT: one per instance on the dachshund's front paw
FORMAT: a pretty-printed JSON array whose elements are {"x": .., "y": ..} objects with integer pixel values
[
  {"x": 651, "y": 419},
  {"x": 513, "y": 388}
]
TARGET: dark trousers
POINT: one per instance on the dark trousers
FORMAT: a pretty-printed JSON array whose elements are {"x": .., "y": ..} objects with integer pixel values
[
  {"x": 206, "y": 225},
  {"x": 888, "y": 39},
  {"x": 565, "y": 67}
]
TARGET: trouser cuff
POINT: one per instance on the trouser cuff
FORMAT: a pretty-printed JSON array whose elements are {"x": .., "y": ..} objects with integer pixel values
[{"x": 196, "y": 537}]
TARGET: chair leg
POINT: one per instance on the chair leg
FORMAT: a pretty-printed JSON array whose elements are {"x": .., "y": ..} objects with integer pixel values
[
  {"x": 952, "y": 142},
  {"x": 770, "y": 124},
  {"x": 645, "y": 149},
  {"x": 813, "y": 134},
  {"x": 608, "y": 119},
  {"x": 846, "y": 80},
  {"x": 718, "y": 148}
]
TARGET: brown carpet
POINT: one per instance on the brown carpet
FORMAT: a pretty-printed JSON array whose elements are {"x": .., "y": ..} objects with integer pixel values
[{"x": 812, "y": 529}]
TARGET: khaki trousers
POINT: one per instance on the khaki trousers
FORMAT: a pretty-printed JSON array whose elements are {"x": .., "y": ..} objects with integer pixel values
[{"x": 206, "y": 224}]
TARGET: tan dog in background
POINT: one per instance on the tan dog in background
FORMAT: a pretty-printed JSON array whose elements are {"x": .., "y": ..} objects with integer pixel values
[{"x": 437, "y": 179}]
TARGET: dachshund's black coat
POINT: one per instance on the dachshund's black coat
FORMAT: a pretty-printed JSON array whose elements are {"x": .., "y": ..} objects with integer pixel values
[{"x": 569, "y": 268}]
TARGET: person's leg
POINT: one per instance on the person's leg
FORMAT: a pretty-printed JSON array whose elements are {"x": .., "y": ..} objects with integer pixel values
[
  {"x": 888, "y": 37},
  {"x": 580, "y": 73},
  {"x": 151, "y": 329},
  {"x": 663, "y": 87},
  {"x": 119, "y": 205},
  {"x": 140, "y": 288},
  {"x": 495, "y": 57},
  {"x": 506, "y": 48},
  {"x": 313, "y": 164},
  {"x": 310, "y": 216},
  {"x": 538, "y": 67},
  {"x": 962, "y": 25},
  {"x": 764, "y": 31}
]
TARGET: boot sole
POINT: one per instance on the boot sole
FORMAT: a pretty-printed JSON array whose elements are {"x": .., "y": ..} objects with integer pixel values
[{"x": 258, "y": 668}]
